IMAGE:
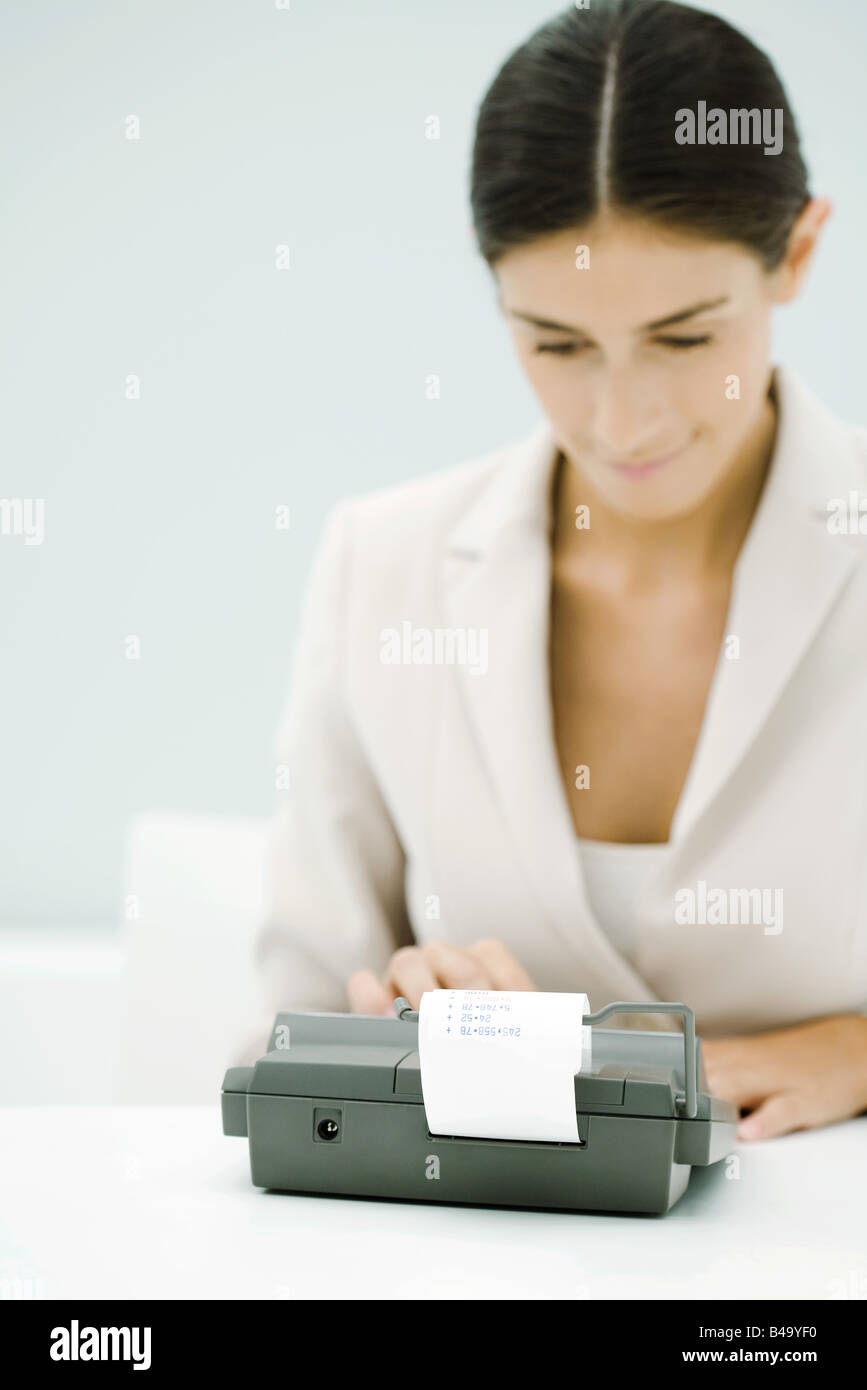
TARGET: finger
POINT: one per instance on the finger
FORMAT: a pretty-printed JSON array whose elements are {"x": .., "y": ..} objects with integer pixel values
[
  {"x": 410, "y": 974},
  {"x": 504, "y": 970},
  {"x": 760, "y": 1065},
  {"x": 732, "y": 1076},
  {"x": 366, "y": 994},
  {"x": 779, "y": 1114},
  {"x": 457, "y": 968}
]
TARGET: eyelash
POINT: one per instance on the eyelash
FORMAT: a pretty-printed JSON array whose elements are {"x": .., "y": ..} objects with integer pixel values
[{"x": 567, "y": 349}]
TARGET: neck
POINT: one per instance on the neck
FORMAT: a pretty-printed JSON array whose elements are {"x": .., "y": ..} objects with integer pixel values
[{"x": 703, "y": 544}]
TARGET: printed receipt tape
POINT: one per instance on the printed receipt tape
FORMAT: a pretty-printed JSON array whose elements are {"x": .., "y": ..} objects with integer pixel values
[{"x": 501, "y": 1064}]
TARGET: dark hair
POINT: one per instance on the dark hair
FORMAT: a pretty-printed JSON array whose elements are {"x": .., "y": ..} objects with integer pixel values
[{"x": 582, "y": 117}]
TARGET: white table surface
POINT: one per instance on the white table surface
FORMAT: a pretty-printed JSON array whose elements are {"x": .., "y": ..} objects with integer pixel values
[{"x": 157, "y": 1203}]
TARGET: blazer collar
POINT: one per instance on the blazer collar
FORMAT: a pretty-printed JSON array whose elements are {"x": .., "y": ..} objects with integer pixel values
[
  {"x": 814, "y": 460},
  {"x": 790, "y": 571},
  {"x": 497, "y": 576}
]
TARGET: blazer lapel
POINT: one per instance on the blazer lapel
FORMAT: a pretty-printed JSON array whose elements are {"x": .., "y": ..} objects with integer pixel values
[
  {"x": 788, "y": 574},
  {"x": 496, "y": 576}
]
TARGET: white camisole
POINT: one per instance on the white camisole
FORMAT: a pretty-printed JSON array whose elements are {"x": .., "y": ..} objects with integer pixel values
[{"x": 614, "y": 875}]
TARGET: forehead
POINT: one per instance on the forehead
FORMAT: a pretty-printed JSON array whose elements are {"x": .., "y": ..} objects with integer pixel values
[{"x": 636, "y": 273}]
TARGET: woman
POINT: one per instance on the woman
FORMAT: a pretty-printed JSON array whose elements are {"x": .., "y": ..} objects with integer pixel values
[{"x": 587, "y": 713}]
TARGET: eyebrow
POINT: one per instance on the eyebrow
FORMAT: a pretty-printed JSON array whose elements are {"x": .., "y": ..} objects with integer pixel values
[{"x": 657, "y": 323}]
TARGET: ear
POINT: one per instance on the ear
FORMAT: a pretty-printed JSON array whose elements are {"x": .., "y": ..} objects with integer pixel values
[{"x": 804, "y": 237}]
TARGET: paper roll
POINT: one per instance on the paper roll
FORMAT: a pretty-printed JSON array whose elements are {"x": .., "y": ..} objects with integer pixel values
[{"x": 501, "y": 1064}]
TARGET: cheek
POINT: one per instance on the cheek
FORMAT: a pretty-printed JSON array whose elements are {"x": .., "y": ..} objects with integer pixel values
[
  {"x": 721, "y": 388},
  {"x": 564, "y": 390},
  {"x": 741, "y": 363},
  {"x": 698, "y": 392}
]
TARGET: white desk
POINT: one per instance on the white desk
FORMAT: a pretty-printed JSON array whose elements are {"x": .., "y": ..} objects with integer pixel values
[{"x": 157, "y": 1203}]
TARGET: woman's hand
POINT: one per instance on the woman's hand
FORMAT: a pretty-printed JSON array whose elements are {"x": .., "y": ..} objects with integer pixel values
[
  {"x": 793, "y": 1078},
  {"x": 435, "y": 965}
]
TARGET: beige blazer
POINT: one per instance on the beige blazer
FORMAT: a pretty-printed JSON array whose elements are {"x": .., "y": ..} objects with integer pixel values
[{"x": 425, "y": 800}]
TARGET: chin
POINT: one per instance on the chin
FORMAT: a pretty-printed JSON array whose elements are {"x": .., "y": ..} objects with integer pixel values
[{"x": 660, "y": 508}]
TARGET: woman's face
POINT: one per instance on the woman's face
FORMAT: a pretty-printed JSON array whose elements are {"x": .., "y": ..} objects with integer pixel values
[{"x": 637, "y": 379}]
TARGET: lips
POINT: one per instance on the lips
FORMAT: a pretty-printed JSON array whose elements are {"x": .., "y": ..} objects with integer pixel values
[
  {"x": 645, "y": 467},
  {"x": 638, "y": 470}
]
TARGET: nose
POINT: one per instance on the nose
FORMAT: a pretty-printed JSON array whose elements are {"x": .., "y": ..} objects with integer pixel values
[{"x": 627, "y": 412}]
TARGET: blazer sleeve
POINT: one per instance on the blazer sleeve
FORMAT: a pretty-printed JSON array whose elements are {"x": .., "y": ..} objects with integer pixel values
[{"x": 335, "y": 868}]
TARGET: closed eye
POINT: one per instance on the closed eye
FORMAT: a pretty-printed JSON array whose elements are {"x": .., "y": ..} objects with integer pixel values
[
  {"x": 563, "y": 348},
  {"x": 567, "y": 349},
  {"x": 685, "y": 342}
]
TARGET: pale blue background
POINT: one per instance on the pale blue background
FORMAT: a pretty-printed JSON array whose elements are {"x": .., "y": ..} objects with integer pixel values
[{"x": 260, "y": 127}]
